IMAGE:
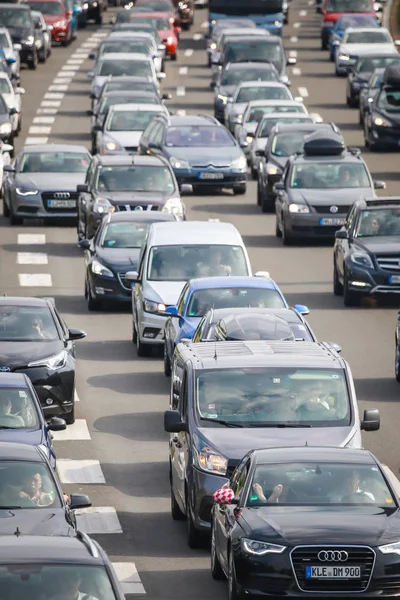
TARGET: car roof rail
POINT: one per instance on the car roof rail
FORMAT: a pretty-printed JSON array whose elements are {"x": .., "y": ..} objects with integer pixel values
[
  {"x": 83, "y": 537},
  {"x": 382, "y": 200}
]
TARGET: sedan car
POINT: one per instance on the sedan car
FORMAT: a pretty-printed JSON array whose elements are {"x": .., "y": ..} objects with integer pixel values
[
  {"x": 140, "y": 39},
  {"x": 218, "y": 28},
  {"x": 368, "y": 93},
  {"x": 359, "y": 75},
  {"x": 361, "y": 42},
  {"x": 306, "y": 521},
  {"x": 126, "y": 83},
  {"x": 19, "y": 22},
  {"x": 124, "y": 183},
  {"x": 354, "y": 21},
  {"x": 57, "y": 18},
  {"x": 202, "y": 153},
  {"x": 12, "y": 96},
  {"x": 42, "y": 182},
  {"x": 382, "y": 117},
  {"x": 124, "y": 126},
  {"x": 35, "y": 340}
]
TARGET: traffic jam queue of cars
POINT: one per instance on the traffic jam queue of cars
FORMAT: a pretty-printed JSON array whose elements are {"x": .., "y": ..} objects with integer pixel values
[{"x": 265, "y": 450}]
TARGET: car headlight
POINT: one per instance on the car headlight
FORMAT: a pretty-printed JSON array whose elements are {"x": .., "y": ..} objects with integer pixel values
[
  {"x": 210, "y": 460},
  {"x": 60, "y": 24},
  {"x": 177, "y": 163},
  {"x": 52, "y": 362},
  {"x": 153, "y": 307},
  {"x": 298, "y": 208},
  {"x": 277, "y": 24},
  {"x": 343, "y": 56},
  {"x": 239, "y": 163},
  {"x": 25, "y": 192},
  {"x": 223, "y": 98},
  {"x": 173, "y": 206},
  {"x": 85, "y": 6},
  {"x": 170, "y": 40},
  {"x": 213, "y": 45},
  {"x": 261, "y": 548},
  {"x": 29, "y": 40},
  {"x": 380, "y": 121},
  {"x": 362, "y": 259},
  {"x": 390, "y": 548},
  {"x": 5, "y": 128},
  {"x": 102, "y": 206},
  {"x": 99, "y": 269},
  {"x": 238, "y": 118},
  {"x": 249, "y": 139},
  {"x": 274, "y": 171}
]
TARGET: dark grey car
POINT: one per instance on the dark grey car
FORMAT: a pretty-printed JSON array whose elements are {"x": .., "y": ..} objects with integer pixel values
[
  {"x": 42, "y": 182},
  {"x": 368, "y": 93}
]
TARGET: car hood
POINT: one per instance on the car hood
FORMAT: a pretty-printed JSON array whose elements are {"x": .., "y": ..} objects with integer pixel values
[
  {"x": 136, "y": 198},
  {"x": 50, "y": 181},
  {"x": 51, "y": 19},
  {"x": 34, "y": 521},
  {"x": 234, "y": 443},
  {"x": 125, "y": 138},
  {"x": 379, "y": 244},
  {"x": 361, "y": 49},
  {"x": 125, "y": 258},
  {"x": 19, "y": 354},
  {"x": 217, "y": 157},
  {"x": 340, "y": 197},
  {"x": 227, "y": 90},
  {"x": 166, "y": 292},
  {"x": 291, "y": 525}
]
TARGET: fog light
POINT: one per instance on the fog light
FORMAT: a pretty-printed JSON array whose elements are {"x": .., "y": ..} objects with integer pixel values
[
  {"x": 49, "y": 401},
  {"x": 100, "y": 290},
  {"x": 358, "y": 283},
  {"x": 149, "y": 334}
]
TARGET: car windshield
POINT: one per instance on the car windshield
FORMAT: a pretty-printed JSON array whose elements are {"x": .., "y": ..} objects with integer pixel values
[
  {"x": 260, "y": 396},
  {"x": 235, "y": 77},
  {"x": 368, "y": 65},
  {"x": 379, "y": 222},
  {"x": 254, "y": 49},
  {"x": 15, "y": 18},
  {"x": 389, "y": 100},
  {"x": 156, "y": 6},
  {"x": 26, "y": 484},
  {"x": 247, "y": 94},
  {"x": 198, "y": 136},
  {"x": 341, "y": 6},
  {"x": 256, "y": 113},
  {"x": 135, "y": 86},
  {"x": 124, "y": 235},
  {"x": 181, "y": 263},
  {"x": 140, "y": 46},
  {"x": 47, "y": 8},
  {"x": 4, "y": 42},
  {"x": 330, "y": 175},
  {"x": 202, "y": 301},
  {"x": 5, "y": 87},
  {"x": 133, "y": 26},
  {"x": 158, "y": 23},
  {"x": 367, "y": 37},
  {"x": 132, "y": 120},
  {"x": 4, "y": 110},
  {"x": 356, "y": 21},
  {"x": 319, "y": 483},
  {"x": 17, "y": 409},
  {"x": 287, "y": 144},
  {"x": 269, "y": 123},
  {"x": 135, "y": 178},
  {"x": 27, "y": 324},
  {"x": 42, "y": 581},
  {"x": 54, "y": 162},
  {"x": 138, "y": 68},
  {"x": 108, "y": 102}
]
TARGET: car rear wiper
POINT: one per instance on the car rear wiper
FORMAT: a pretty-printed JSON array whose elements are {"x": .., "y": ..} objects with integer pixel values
[
  {"x": 221, "y": 422},
  {"x": 280, "y": 425}
]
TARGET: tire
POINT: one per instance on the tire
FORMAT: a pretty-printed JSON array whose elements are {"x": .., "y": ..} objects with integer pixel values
[
  {"x": 337, "y": 286},
  {"x": 254, "y": 173},
  {"x": 14, "y": 220},
  {"x": 239, "y": 190},
  {"x": 185, "y": 26},
  {"x": 142, "y": 349},
  {"x": 194, "y": 537},
  {"x": 6, "y": 210},
  {"x": 167, "y": 362},
  {"x": 266, "y": 206},
  {"x": 42, "y": 57},
  {"x": 176, "y": 512},
  {"x": 216, "y": 569},
  {"x": 349, "y": 298},
  {"x": 397, "y": 362},
  {"x": 278, "y": 232},
  {"x": 286, "y": 238},
  {"x": 134, "y": 332},
  {"x": 174, "y": 57},
  {"x": 70, "y": 417},
  {"x": 19, "y": 125},
  {"x": 360, "y": 118},
  {"x": 233, "y": 591},
  {"x": 99, "y": 19},
  {"x": 324, "y": 44},
  {"x": 93, "y": 304},
  {"x": 32, "y": 64}
]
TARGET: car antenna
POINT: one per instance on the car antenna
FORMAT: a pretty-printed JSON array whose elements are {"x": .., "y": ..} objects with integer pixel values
[
  {"x": 5, "y": 294},
  {"x": 17, "y": 532},
  {"x": 306, "y": 443},
  {"x": 215, "y": 351}
]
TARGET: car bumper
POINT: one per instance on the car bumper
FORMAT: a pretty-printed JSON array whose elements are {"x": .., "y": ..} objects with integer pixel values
[
  {"x": 310, "y": 226},
  {"x": 60, "y": 34},
  {"x": 110, "y": 288},
  {"x": 371, "y": 281},
  {"x": 388, "y": 136},
  {"x": 27, "y": 53},
  {"x": 171, "y": 48},
  {"x": 203, "y": 485},
  {"x": 37, "y": 207},
  {"x": 151, "y": 328},
  {"x": 226, "y": 179}
]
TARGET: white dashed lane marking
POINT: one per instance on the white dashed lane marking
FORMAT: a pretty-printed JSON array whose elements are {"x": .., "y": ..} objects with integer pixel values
[
  {"x": 294, "y": 39},
  {"x": 180, "y": 91},
  {"x": 35, "y": 280},
  {"x": 296, "y": 25},
  {"x": 296, "y": 71},
  {"x": 32, "y": 258},
  {"x": 52, "y": 96},
  {"x": 303, "y": 92},
  {"x": 129, "y": 578},
  {"x": 58, "y": 88},
  {"x": 303, "y": 13},
  {"x": 197, "y": 37},
  {"x": 98, "y": 519},
  {"x": 44, "y": 120},
  {"x": 36, "y": 140},
  {"x": 188, "y": 52},
  {"x": 39, "y": 130},
  {"x": 204, "y": 25},
  {"x": 293, "y": 53},
  {"x": 78, "y": 431},
  {"x": 62, "y": 80},
  {"x": 52, "y": 103},
  {"x": 80, "y": 471},
  {"x": 181, "y": 112},
  {"x": 31, "y": 239},
  {"x": 70, "y": 68},
  {"x": 46, "y": 111},
  {"x": 183, "y": 71}
]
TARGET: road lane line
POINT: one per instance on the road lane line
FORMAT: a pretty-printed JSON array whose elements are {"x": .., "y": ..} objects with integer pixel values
[
  {"x": 296, "y": 71},
  {"x": 204, "y": 25},
  {"x": 183, "y": 71},
  {"x": 293, "y": 53},
  {"x": 80, "y": 471},
  {"x": 180, "y": 91},
  {"x": 197, "y": 37},
  {"x": 34, "y": 279},
  {"x": 188, "y": 52},
  {"x": 51, "y": 103},
  {"x": 78, "y": 431},
  {"x": 31, "y": 239},
  {"x": 62, "y": 80},
  {"x": 30, "y": 141},
  {"x": 43, "y": 120},
  {"x": 70, "y": 68},
  {"x": 294, "y": 39},
  {"x": 76, "y": 397},
  {"x": 39, "y": 130},
  {"x": 46, "y": 111},
  {"x": 303, "y": 92},
  {"x": 129, "y": 578},
  {"x": 52, "y": 96},
  {"x": 58, "y": 88},
  {"x": 296, "y": 25},
  {"x": 303, "y": 13},
  {"x": 75, "y": 61},
  {"x": 32, "y": 258},
  {"x": 98, "y": 519}
]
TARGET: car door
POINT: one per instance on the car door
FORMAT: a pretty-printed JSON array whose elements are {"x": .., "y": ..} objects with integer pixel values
[
  {"x": 178, "y": 441},
  {"x": 341, "y": 247},
  {"x": 137, "y": 290},
  {"x": 172, "y": 327},
  {"x": 281, "y": 196}
]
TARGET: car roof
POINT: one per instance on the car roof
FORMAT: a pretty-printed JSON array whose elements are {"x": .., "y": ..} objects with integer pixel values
[
  {"x": 127, "y": 78},
  {"x": 157, "y": 15},
  {"x": 131, "y": 56},
  {"x": 14, "y": 5},
  {"x": 22, "y": 301},
  {"x": 245, "y": 36},
  {"x": 136, "y": 216},
  {"x": 159, "y": 108},
  {"x": 346, "y": 155},
  {"x": 288, "y": 314},
  {"x": 290, "y": 115},
  {"x": 16, "y": 451},
  {"x": 287, "y": 102},
  {"x": 314, "y": 454},
  {"x": 206, "y": 283},
  {"x": 13, "y": 380},
  {"x": 194, "y": 232},
  {"x": 51, "y": 148},
  {"x": 133, "y": 93},
  {"x": 288, "y": 127},
  {"x": 268, "y": 66},
  {"x": 381, "y": 202},
  {"x": 268, "y": 353},
  {"x": 192, "y": 120},
  {"x": 50, "y": 549},
  {"x": 241, "y": 31},
  {"x": 366, "y": 29},
  {"x": 129, "y": 35},
  {"x": 271, "y": 84},
  {"x": 127, "y": 159}
]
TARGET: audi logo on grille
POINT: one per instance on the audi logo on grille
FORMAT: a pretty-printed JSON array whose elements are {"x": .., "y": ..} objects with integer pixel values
[
  {"x": 333, "y": 556},
  {"x": 62, "y": 195}
]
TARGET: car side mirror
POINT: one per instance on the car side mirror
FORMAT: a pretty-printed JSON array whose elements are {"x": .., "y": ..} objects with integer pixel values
[
  {"x": 335, "y": 347},
  {"x": 6, "y": 148},
  {"x": 132, "y": 276},
  {"x": 161, "y": 75},
  {"x": 79, "y": 501},
  {"x": 371, "y": 420},
  {"x": 260, "y": 152},
  {"x": 278, "y": 187},
  {"x": 213, "y": 85},
  {"x": 166, "y": 96},
  {"x": 85, "y": 244},
  {"x": 91, "y": 74},
  {"x": 173, "y": 423},
  {"x": 9, "y": 169},
  {"x": 335, "y": 43},
  {"x": 97, "y": 127},
  {"x": 379, "y": 185},
  {"x": 302, "y": 309},
  {"x": 11, "y": 60},
  {"x": 92, "y": 55},
  {"x": 20, "y": 90},
  {"x": 171, "y": 311},
  {"x": 341, "y": 234},
  {"x": 225, "y": 496},
  {"x": 56, "y": 424},
  {"x": 397, "y": 42},
  {"x": 82, "y": 187},
  {"x": 76, "y": 334},
  {"x": 264, "y": 274},
  {"x": 244, "y": 144}
]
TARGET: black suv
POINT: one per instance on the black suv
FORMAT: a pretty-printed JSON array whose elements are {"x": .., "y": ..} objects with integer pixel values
[
  {"x": 366, "y": 254},
  {"x": 358, "y": 76},
  {"x": 19, "y": 22}
]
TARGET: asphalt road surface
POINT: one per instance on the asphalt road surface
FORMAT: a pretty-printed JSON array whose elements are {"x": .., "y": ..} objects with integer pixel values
[{"x": 119, "y": 431}]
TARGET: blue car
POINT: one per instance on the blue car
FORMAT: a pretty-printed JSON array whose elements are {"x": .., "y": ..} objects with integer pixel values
[
  {"x": 21, "y": 416},
  {"x": 345, "y": 21},
  {"x": 200, "y": 295}
]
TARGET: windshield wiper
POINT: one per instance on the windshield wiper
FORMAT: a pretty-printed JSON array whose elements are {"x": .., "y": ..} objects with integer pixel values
[
  {"x": 8, "y": 427},
  {"x": 9, "y": 507},
  {"x": 221, "y": 422},
  {"x": 280, "y": 425}
]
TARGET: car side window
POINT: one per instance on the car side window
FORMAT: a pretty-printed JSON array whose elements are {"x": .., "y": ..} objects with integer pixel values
[
  {"x": 239, "y": 477},
  {"x": 176, "y": 384},
  {"x": 350, "y": 218},
  {"x": 182, "y": 299},
  {"x": 285, "y": 176},
  {"x": 197, "y": 336},
  {"x": 148, "y": 134},
  {"x": 61, "y": 323},
  {"x": 89, "y": 173}
]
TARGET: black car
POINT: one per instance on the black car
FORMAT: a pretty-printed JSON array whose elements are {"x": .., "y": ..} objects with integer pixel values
[
  {"x": 38, "y": 566},
  {"x": 6, "y": 125},
  {"x": 274, "y": 158},
  {"x": 368, "y": 93},
  {"x": 397, "y": 349},
  {"x": 358, "y": 76},
  {"x": 366, "y": 255},
  {"x": 382, "y": 117},
  {"x": 308, "y": 522},
  {"x": 31, "y": 498},
  {"x": 18, "y": 20},
  {"x": 35, "y": 340},
  {"x": 113, "y": 251},
  {"x": 124, "y": 183},
  {"x": 95, "y": 11},
  {"x": 200, "y": 150}
]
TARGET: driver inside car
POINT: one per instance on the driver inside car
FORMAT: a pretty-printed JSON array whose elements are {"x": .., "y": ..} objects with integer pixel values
[{"x": 350, "y": 490}]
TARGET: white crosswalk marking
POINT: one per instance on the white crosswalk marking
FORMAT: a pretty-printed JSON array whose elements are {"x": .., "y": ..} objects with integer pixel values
[
  {"x": 35, "y": 280},
  {"x": 78, "y": 431},
  {"x": 129, "y": 578},
  {"x": 98, "y": 519},
  {"x": 32, "y": 258},
  {"x": 80, "y": 471},
  {"x": 31, "y": 238}
]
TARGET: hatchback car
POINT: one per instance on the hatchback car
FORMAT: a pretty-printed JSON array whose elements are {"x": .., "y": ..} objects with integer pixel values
[
  {"x": 165, "y": 25},
  {"x": 57, "y": 18},
  {"x": 215, "y": 33},
  {"x": 332, "y": 10},
  {"x": 344, "y": 22},
  {"x": 19, "y": 22},
  {"x": 44, "y": 40},
  {"x": 133, "y": 41}
]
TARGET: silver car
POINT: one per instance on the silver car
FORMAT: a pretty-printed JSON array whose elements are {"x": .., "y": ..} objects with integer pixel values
[
  {"x": 359, "y": 42},
  {"x": 11, "y": 51}
]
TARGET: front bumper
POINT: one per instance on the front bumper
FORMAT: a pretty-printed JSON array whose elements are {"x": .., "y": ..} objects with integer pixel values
[
  {"x": 202, "y": 487},
  {"x": 38, "y": 207},
  {"x": 310, "y": 225},
  {"x": 27, "y": 53},
  {"x": 111, "y": 289},
  {"x": 223, "y": 177},
  {"x": 59, "y": 34},
  {"x": 386, "y": 136},
  {"x": 370, "y": 281},
  {"x": 151, "y": 328}
]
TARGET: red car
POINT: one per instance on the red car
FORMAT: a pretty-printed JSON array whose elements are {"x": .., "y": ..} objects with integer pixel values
[
  {"x": 167, "y": 28},
  {"x": 57, "y": 16},
  {"x": 333, "y": 9}
]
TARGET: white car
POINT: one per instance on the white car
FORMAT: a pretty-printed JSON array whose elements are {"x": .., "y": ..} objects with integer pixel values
[
  {"x": 11, "y": 51},
  {"x": 5, "y": 159},
  {"x": 12, "y": 96},
  {"x": 359, "y": 42}
]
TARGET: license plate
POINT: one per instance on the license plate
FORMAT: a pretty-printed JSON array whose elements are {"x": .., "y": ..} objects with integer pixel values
[
  {"x": 62, "y": 203},
  {"x": 211, "y": 176},
  {"x": 394, "y": 278},
  {"x": 332, "y": 221},
  {"x": 333, "y": 572}
]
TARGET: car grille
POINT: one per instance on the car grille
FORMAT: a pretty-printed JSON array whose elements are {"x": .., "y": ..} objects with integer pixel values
[
  {"x": 46, "y": 196},
  {"x": 131, "y": 149},
  {"x": 204, "y": 166},
  {"x": 326, "y": 209},
  {"x": 389, "y": 263},
  {"x": 128, "y": 207},
  {"x": 303, "y": 556}
]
